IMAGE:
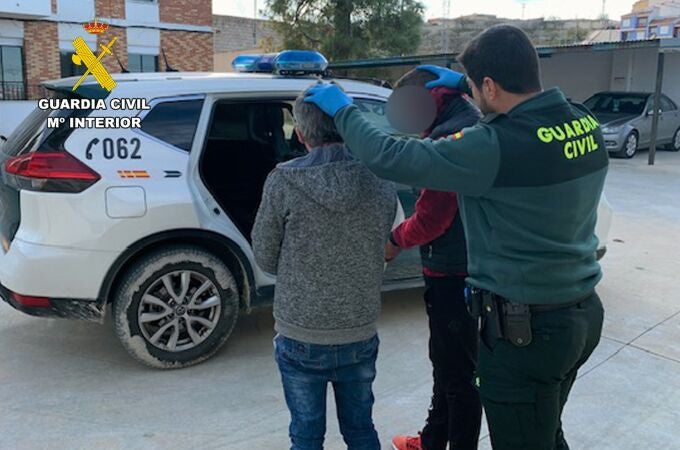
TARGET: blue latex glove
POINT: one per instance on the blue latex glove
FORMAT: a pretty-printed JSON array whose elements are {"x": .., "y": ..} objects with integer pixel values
[
  {"x": 446, "y": 77},
  {"x": 329, "y": 97}
]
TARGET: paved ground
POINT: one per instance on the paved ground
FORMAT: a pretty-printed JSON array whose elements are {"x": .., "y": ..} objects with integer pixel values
[{"x": 68, "y": 385}]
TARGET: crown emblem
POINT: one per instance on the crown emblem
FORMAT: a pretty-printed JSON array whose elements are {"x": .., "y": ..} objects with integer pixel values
[{"x": 96, "y": 27}]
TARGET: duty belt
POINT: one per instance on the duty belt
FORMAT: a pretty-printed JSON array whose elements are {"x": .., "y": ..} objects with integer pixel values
[{"x": 500, "y": 318}]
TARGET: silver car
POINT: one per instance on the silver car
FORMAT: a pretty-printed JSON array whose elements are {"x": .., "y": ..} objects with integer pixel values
[{"x": 626, "y": 119}]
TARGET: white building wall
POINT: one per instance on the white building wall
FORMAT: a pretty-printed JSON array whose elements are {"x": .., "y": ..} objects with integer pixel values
[
  {"x": 581, "y": 74},
  {"x": 671, "y": 79},
  {"x": 578, "y": 74},
  {"x": 634, "y": 70}
]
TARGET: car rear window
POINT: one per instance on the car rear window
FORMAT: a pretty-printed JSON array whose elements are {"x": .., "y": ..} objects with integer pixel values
[
  {"x": 32, "y": 132},
  {"x": 174, "y": 122}
]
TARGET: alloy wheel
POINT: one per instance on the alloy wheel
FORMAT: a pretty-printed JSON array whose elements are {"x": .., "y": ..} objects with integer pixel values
[
  {"x": 631, "y": 145},
  {"x": 179, "y": 310}
]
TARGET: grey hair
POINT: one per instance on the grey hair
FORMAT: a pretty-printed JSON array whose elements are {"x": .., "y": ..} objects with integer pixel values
[{"x": 316, "y": 127}]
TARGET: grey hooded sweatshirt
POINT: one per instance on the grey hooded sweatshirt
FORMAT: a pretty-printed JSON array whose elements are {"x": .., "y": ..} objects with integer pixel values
[{"x": 321, "y": 229}]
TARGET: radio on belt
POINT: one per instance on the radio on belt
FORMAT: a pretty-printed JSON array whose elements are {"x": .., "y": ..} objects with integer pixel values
[{"x": 287, "y": 63}]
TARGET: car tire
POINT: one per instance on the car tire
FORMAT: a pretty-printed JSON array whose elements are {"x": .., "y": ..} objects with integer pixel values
[
  {"x": 176, "y": 307},
  {"x": 674, "y": 145},
  {"x": 629, "y": 147}
]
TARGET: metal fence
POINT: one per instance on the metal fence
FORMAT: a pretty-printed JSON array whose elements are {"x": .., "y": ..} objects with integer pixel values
[{"x": 18, "y": 90}]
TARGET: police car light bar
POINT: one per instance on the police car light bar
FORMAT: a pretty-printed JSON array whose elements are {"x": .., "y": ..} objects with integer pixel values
[
  {"x": 288, "y": 62},
  {"x": 254, "y": 63},
  {"x": 245, "y": 63},
  {"x": 300, "y": 62}
]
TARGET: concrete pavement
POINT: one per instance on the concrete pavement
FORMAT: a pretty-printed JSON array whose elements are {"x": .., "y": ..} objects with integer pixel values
[{"x": 70, "y": 385}]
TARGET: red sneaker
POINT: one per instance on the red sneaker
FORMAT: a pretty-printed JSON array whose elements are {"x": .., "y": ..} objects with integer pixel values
[{"x": 403, "y": 442}]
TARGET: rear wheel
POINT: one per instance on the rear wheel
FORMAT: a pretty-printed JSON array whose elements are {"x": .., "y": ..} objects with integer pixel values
[
  {"x": 674, "y": 146},
  {"x": 630, "y": 146},
  {"x": 176, "y": 307}
]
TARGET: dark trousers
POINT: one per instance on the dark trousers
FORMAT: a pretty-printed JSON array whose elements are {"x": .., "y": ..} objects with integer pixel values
[
  {"x": 524, "y": 389},
  {"x": 455, "y": 412}
]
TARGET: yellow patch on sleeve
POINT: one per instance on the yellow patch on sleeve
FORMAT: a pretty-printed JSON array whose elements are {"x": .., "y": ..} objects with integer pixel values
[{"x": 457, "y": 136}]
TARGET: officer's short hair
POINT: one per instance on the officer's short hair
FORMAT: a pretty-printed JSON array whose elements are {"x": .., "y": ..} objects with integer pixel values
[
  {"x": 505, "y": 54},
  {"x": 316, "y": 127},
  {"x": 415, "y": 77}
]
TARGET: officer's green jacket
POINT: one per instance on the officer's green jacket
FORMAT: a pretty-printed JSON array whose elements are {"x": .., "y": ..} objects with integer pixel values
[{"x": 529, "y": 183}]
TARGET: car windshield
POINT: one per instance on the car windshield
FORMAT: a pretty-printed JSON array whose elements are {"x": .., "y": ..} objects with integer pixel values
[{"x": 609, "y": 103}]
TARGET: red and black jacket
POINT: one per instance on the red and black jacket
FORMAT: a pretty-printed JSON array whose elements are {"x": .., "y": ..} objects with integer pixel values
[{"x": 436, "y": 225}]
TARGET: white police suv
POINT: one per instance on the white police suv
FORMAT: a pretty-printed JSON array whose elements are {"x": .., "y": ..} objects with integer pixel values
[{"x": 156, "y": 220}]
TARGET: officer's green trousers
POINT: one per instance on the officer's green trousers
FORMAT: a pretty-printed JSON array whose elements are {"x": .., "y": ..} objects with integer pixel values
[{"x": 524, "y": 389}]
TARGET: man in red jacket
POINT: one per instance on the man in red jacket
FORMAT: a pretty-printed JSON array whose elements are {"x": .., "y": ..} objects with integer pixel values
[{"x": 455, "y": 413}]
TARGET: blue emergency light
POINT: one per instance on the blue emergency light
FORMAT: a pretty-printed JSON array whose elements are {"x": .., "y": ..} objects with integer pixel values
[
  {"x": 288, "y": 62},
  {"x": 300, "y": 61},
  {"x": 245, "y": 63}
]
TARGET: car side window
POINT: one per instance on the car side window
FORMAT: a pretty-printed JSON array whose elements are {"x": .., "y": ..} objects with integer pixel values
[
  {"x": 667, "y": 104},
  {"x": 174, "y": 122}
]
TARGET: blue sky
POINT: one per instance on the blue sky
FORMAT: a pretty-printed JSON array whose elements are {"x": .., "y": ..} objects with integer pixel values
[{"x": 565, "y": 9}]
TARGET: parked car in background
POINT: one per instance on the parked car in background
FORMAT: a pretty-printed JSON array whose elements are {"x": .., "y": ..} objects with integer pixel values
[{"x": 626, "y": 119}]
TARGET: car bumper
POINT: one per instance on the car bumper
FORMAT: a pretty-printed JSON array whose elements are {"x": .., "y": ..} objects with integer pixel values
[
  {"x": 57, "y": 307},
  {"x": 66, "y": 278},
  {"x": 613, "y": 142}
]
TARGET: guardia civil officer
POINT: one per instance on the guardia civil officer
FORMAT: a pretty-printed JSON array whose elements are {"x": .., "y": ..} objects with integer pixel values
[{"x": 529, "y": 177}]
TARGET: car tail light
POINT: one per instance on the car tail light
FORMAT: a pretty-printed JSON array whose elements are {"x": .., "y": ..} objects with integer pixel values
[
  {"x": 31, "y": 302},
  {"x": 50, "y": 171}
]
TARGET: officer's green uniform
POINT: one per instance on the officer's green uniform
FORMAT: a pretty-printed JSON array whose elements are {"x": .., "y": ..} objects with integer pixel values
[{"x": 529, "y": 183}]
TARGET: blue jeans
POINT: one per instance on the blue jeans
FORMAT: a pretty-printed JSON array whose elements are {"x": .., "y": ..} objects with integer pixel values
[{"x": 306, "y": 370}]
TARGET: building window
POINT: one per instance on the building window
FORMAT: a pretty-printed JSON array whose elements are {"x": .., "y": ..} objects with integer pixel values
[
  {"x": 68, "y": 68},
  {"x": 626, "y": 23},
  {"x": 142, "y": 63},
  {"x": 11, "y": 73},
  {"x": 642, "y": 22}
]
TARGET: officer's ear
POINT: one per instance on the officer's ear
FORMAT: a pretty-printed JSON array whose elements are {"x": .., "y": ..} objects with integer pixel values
[{"x": 490, "y": 88}]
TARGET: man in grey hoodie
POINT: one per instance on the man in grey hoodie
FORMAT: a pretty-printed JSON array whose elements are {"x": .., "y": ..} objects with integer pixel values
[{"x": 321, "y": 229}]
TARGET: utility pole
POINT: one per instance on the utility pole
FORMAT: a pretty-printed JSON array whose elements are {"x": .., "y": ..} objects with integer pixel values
[
  {"x": 446, "y": 11},
  {"x": 254, "y": 23},
  {"x": 524, "y": 7},
  {"x": 604, "y": 9}
]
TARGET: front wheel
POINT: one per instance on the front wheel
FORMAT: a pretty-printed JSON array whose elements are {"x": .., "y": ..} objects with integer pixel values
[
  {"x": 674, "y": 146},
  {"x": 630, "y": 146},
  {"x": 176, "y": 307}
]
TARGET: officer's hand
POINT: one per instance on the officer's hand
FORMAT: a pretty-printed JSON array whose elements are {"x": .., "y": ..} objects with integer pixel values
[
  {"x": 329, "y": 97},
  {"x": 446, "y": 77}
]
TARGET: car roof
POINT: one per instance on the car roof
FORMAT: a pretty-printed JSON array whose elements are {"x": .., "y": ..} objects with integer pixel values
[{"x": 164, "y": 84}]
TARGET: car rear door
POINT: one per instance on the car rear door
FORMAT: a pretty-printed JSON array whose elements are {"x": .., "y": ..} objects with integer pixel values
[{"x": 669, "y": 120}]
